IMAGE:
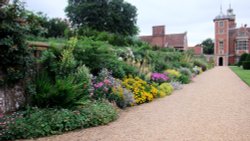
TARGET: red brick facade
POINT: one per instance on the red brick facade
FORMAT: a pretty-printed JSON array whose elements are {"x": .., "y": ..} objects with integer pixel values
[
  {"x": 161, "y": 39},
  {"x": 198, "y": 49},
  {"x": 230, "y": 42}
]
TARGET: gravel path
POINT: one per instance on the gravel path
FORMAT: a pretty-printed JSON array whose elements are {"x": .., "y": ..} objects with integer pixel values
[{"x": 215, "y": 107}]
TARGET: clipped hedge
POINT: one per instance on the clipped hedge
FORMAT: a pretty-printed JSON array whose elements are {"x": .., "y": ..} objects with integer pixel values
[
  {"x": 246, "y": 65},
  {"x": 43, "y": 122}
]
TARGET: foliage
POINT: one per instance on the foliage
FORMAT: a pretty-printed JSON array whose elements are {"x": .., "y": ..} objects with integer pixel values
[
  {"x": 143, "y": 92},
  {"x": 63, "y": 80},
  {"x": 246, "y": 65},
  {"x": 184, "y": 79},
  {"x": 36, "y": 23},
  {"x": 58, "y": 28},
  {"x": 15, "y": 55},
  {"x": 159, "y": 77},
  {"x": 95, "y": 55},
  {"x": 172, "y": 73},
  {"x": 243, "y": 58},
  {"x": 43, "y": 122},
  {"x": 201, "y": 63},
  {"x": 185, "y": 71},
  {"x": 115, "y": 16},
  {"x": 42, "y": 26},
  {"x": 197, "y": 70},
  {"x": 63, "y": 93},
  {"x": 166, "y": 88},
  {"x": 208, "y": 46}
]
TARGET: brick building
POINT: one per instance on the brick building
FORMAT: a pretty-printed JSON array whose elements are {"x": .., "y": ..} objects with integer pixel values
[
  {"x": 230, "y": 41},
  {"x": 161, "y": 39},
  {"x": 197, "y": 49}
]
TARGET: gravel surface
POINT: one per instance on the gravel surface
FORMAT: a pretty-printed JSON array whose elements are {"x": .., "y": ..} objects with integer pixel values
[{"x": 215, "y": 107}]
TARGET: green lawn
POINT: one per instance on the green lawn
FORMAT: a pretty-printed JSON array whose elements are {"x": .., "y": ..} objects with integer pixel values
[{"x": 243, "y": 74}]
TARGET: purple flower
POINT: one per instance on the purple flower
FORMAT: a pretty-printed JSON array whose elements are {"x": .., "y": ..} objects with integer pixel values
[{"x": 159, "y": 77}]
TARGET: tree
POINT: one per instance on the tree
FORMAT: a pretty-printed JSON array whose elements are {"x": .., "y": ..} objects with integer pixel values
[
  {"x": 57, "y": 27},
  {"x": 40, "y": 25},
  {"x": 208, "y": 46},
  {"x": 115, "y": 16},
  {"x": 37, "y": 23}
]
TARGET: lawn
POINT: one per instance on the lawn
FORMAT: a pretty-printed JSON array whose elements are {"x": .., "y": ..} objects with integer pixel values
[{"x": 243, "y": 74}]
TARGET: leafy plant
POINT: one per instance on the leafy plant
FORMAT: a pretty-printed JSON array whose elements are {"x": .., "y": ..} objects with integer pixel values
[
  {"x": 43, "y": 122},
  {"x": 63, "y": 93},
  {"x": 184, "y": 79}
]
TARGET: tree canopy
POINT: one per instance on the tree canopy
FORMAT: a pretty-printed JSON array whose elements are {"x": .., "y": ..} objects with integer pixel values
[
  {"x": 208, "y": 46},
  {"x": 115, "y": 16},
  {"x": 42, "y": 26}
]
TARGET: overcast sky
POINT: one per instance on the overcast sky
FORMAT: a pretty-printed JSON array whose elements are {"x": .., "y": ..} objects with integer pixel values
[{"x": 192, "y": 16}]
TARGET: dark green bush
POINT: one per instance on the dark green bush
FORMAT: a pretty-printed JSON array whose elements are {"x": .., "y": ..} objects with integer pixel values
[
  {"x": 246, "y": 65},
  {"x": 243, "y": 58},
  {"x": 15, "y": 55},
  {"x": 43, "y": 122},
  {"x": 184, "y": 79},
  {"x": 62, "y": 93}
]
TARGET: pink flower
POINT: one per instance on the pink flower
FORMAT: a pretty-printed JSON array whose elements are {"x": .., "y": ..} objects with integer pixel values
[
  {"x": 1, "y": 115},
  {"x": 98, "y": 85},
  {"x": 106, "y": 81}
]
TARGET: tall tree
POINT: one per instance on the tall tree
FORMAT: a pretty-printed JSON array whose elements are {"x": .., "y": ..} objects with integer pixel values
[
  {"x": 115, "y": 16},
  {"x": 208, "y": 46}
]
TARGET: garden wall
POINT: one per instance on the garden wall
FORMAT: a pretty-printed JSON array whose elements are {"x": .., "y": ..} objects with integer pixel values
[{"x": 12, "y": 98}]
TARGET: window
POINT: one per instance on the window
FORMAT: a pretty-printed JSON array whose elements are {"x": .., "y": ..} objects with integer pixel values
[
  {"x": 242, "y": 45},
  {"x": 221, "y": 44},
  {"x": 221, "y": 23},
  {"x": 221, "y": 31},
  {"x": 241, "y": 34}
]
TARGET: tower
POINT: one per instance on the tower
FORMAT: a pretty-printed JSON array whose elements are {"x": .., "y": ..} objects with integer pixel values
[{"x": 223, "y": 23}]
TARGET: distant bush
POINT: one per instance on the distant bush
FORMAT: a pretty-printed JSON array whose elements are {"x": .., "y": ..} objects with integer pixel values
[
  {"x": 43, "y": 122},
  {"x": 202, "y": 64},
  {"x": 243, "y": 58}
]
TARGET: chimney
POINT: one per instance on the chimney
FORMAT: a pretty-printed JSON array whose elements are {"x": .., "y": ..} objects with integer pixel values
[{"x": 159, "y": 30}]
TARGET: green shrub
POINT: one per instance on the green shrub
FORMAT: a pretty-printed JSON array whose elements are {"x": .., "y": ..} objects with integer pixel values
[
  {"x": 130, "y": 70},
  {"x": 166, "y": 88},
  {"x": 185, "y": 71},
  {"x": 243, "y": 58},
  {"x": 246, "y": 65},
  {"x": 200, "y": 63},
  {"x": 184, "y": 79},
  {"x": 62, "y": 93},
  {"x": 43, "y": 122}
]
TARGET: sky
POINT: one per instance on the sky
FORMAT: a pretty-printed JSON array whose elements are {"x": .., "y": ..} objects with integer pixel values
[{"x": 192, "y": 16}]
